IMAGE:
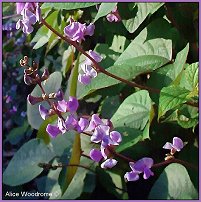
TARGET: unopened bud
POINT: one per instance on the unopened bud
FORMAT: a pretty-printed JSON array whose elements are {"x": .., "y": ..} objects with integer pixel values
[
  {"x": 45, "y": 75},
  {"x": 34, "y": 100}
]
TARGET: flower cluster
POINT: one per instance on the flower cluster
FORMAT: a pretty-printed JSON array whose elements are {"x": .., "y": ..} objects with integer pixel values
[
  {"x": 103, "y": 134},
  {"x": 141, "y": 166},
  {"x": 77, "y": 31},
  {"x": 88, "y": 71},
  {"x": 30, "y": 13}
]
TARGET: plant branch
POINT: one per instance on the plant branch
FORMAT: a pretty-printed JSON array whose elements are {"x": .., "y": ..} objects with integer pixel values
[
  {"x": 101, "y": 69},
  {"x": 96, "y": 65}
]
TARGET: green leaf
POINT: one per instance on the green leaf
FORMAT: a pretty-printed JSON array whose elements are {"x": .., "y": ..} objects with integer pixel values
[
  {"x": 16, "y": 134},
  {"x": 130, "y": 136},
  {"x": 44, "y": 35},
  {"x": 134, "y": 111},
  {"x": 115, "y": 183},
  {"x": 155, "y": 47},
  {"x": 138, "y": 58},
  {"x": 175, "y": 69},
  {"x": 42, "y": 134},
  {"x": 77, "y": 184},
  {"x": 171, "y": 97},
  {"x": 25, "y": 163},
  {"x": 190, "y": 77},
  {"x": 68, "y": 6},
  {"x": 110, "y": 106},
  {"x": 174, "y": 183},
  {"x": 143, "y": 10},
  {"x": 67, "y": 60},
  {"x": 51, "y": 85},
  {"x": 104, "y": 9}
]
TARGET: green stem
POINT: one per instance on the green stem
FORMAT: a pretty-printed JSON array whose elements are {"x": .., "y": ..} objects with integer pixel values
[{"x": 74, "y": 77}]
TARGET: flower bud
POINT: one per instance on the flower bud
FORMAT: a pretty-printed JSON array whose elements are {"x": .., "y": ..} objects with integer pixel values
[
  {"x": 34, "y": 100},
  {"x": 45, "y": 75}
]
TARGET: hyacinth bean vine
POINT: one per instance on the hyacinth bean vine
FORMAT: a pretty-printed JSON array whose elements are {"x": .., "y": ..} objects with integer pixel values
[{"x": 105, "y": 138}]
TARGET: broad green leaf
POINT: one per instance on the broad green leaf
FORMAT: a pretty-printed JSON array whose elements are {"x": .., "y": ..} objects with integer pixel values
[
  {"x": 68, "y": 6},
  {"x": 155, "y": 47},
  {"x": 51, "y": 85},
  {"x": 51, "y": 182},
  {"x": 115, "y": 183},
  {"x": 119, "y": 43},
  {"x": 110, "y": 106},
  {"x": 43, "y": 35},
  {"x": 25, "y": 163},
  {"x": 77, "y": 184},
  {"x": 143, "y": 10},
  {"x": 16, "y": 134},
  {"x": 104, "y": 9},
  {"x": 130, "y": 137},
  {"x": 171, "y": 97},
  {"x": 138, "y": 58},
  {"x": 174, "y": 183},
  {"x": 187, "y": 116},
  {"x": 134, "y": 111},
  {"x": 189, "y": 79},
  {"x": 127, "y": 69},
  {"x": 42, "y": 134},
  {"x": 67, "y": 60}
]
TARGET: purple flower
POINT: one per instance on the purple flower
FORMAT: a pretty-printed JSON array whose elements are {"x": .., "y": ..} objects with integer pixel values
[
  {"x": 77, "y": 31},
  {"x": 62, "y": 126},
  {"x": 114, "y": 16},
  {"x": 53, "y": 131},
  {"x": 71, "y": 105},
  {"x": 60, "y": 95},
  {"x": 8, "y": 99},
  {"x": 90, "y": 29},
  {"x": 28, "y": 17},
  {"x": 23, "y": 114},
  {"x": 95, "y": 121},
  {"x": 141, "y": 166},
  {"x": 96, "y": 155},
  {"x": 43, "y": 112},
  {"x": 83, "y": 124},
  {"x": 88, "y": 71},
  {"x": 109, "y": 163},
  {"x": 19, "y": 7},
  {"x": 13, "y": 110},
  {"x": 95, "y": 56},
  {"x": 177, "y": 145}
]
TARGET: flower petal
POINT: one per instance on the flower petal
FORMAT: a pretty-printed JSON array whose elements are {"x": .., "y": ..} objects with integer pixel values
[
  {"x": 131, "y": 176},
  {"x": 116, "y": 137},
  {"x": 95, "y": 155},
  {"x": 43, "y": 112},
  {"x": 95, "y": 121},
  {"x": 178, "y": 143},
  {"x": 109, "y": 163},
  {"x": 84, "y": 79},
  {"x": 168, "y": 145},
  {"x": 83, "y": 123},
  {"x": 62, "y": 106},
  {"x": 72, "y": 104},
  {"x": 147, "y": 173},
  {"x": 53, "y": 131}
]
